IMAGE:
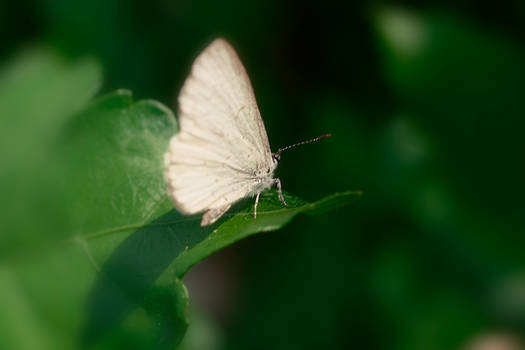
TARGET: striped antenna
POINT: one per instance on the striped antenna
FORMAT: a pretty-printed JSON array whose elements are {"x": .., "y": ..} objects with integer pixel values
[{"x": 278, "y": 153}]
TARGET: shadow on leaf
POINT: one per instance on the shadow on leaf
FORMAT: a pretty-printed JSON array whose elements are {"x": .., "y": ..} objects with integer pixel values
[{"x": 127, "y": 279}]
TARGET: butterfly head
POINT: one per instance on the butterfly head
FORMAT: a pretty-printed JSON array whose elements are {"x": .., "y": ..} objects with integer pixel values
[{"x": 276, "y": 157}]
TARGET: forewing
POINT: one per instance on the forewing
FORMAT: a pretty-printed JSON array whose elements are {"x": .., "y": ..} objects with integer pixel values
[
  {"x": 217, "y": 104},
  {"x": 222, "y": 141}
]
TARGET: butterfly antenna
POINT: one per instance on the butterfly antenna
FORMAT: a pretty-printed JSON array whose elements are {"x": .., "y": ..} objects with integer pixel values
[{"x": 278, "y": 153}]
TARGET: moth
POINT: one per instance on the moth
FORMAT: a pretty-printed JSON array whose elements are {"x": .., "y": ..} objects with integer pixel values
[{"x": 221, "y": 153}]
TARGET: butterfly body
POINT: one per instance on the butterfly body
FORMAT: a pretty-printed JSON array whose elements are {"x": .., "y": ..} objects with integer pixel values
[{"x": 263, "y": 180}]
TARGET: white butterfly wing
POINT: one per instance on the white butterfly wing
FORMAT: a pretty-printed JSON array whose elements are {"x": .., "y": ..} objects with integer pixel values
[{"x": 222, "y": 142}]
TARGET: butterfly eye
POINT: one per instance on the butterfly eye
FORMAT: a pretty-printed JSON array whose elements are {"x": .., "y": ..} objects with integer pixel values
[{"x": 276, "y": 157}]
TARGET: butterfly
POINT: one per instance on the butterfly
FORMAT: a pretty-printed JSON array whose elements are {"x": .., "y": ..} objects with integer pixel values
[{"x": 221, "y": 153}]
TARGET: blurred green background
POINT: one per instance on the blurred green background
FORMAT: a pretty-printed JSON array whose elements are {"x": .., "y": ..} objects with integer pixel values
[{"x": 425, "y": 102}]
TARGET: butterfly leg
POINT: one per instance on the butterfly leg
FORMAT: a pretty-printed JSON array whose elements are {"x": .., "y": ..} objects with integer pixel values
[
  {"x": 255, "y": 205},
  {"x": 280, "y": 192}
]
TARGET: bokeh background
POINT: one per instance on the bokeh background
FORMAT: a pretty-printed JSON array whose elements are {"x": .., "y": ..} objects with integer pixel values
[{"x": 425, "y": 102}]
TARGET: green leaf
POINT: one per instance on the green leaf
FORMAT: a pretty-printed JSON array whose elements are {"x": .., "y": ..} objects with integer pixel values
[
  {"x": 149, "y": 259},
  {"x": 99, "y": 253},
  {"x": 39, "y": 93},
  {"x": 270, "y": 216}
]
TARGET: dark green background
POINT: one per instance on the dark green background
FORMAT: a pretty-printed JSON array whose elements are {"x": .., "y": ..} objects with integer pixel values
[{"x": 426, "y": 107}]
